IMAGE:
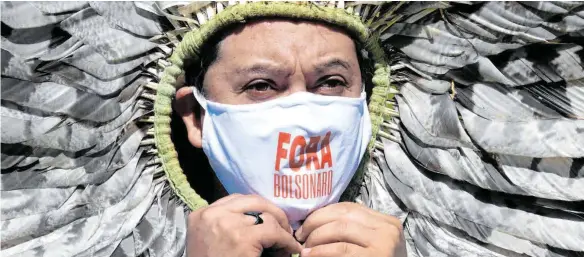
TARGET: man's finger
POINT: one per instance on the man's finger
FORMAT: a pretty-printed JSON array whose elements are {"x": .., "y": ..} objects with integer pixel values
[
  {"x": 339, "y": 249},
  {"x": 340, "y": 231},
  {"x": 253, "y": 203},
  {"x": 389, "y": 219},
  {"x": 271, "y": 235},
  {"x": 333, "y": 213}
]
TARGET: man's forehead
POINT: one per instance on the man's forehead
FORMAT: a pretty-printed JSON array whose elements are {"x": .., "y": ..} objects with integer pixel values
[
  {"x": 283, "y": 31},
  {"x": 279, "y": 23},
  {"x": 281, "y": 37}
]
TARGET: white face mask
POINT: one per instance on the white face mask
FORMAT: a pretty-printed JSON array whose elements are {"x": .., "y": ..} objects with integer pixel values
[{"x": 298, "y": 151}]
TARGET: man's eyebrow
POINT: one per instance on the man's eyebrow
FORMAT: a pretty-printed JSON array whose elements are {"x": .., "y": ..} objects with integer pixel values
[
  {"x": 333, "y": 63},
  {"x": 259, "y": 69}
]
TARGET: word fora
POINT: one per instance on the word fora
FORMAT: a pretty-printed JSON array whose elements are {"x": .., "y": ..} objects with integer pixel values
[
  {"x": 303, "y": 186},
  {"x": 312, "y": 155}
]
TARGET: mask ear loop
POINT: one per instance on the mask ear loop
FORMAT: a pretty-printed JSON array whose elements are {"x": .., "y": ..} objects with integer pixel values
[{"x": 200, "y": 98}]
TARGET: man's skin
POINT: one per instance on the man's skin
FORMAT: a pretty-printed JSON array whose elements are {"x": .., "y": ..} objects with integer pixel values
[{"x": 262, "y": 61}]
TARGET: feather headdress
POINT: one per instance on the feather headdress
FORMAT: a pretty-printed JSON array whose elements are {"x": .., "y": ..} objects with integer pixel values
[{"x": 477, "y": 111}]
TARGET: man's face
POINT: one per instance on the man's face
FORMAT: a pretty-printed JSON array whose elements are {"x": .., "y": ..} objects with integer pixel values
[
  {"x": 269, "y": 59},
  {"x": 273, "y": 58}
]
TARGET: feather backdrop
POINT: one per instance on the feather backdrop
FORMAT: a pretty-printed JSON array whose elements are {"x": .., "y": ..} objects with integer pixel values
[{"x": 481, "y": 152}]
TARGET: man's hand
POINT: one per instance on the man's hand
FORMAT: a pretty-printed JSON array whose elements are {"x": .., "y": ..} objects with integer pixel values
[
  {"x": 222, "y": 229},
  {"x": 350, "y": 229}
]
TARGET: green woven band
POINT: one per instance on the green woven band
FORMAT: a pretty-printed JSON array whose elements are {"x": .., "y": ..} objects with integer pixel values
[{"x": 189, "y": 49}]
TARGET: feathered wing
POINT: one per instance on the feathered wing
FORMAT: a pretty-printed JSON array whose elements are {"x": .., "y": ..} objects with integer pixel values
[
  {"x": 486, "y": 156},
  {"x": 80, "y": 176}
]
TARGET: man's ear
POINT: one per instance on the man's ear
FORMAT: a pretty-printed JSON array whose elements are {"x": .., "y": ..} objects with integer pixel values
[{"x": 186, "y": 105}]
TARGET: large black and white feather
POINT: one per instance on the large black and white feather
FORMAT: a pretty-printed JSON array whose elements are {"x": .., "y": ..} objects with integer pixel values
[
  {"x": 488, "y": 157},
  {"x": 80, "y": 176}
]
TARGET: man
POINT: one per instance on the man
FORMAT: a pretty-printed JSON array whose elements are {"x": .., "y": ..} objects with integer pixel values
[
  {"x": 468, "y": 154},
  {"x": 259, "y": 62}
]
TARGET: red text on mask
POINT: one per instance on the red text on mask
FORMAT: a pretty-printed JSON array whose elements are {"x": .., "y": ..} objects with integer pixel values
[
  {"x": 303, "y": 186},
  {"x": 310, "y": 160},
  {"x": 314, "y": 153}
]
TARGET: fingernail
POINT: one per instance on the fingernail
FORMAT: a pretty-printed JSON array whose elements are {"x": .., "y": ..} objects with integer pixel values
[
  {"x": 305, "y": 252},
  {"x": 291, "y": 230},
  {"x": 298, "y": 235}
]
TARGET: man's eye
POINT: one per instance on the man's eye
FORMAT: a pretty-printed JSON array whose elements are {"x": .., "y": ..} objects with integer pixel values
[
  {"x": 259, "y": 86},
  {"x": 331, "y": 83},
  {"x": 260, "y": 90}
]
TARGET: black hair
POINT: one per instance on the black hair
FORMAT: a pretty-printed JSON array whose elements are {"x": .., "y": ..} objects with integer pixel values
[{"x": 195, "y": 69}]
